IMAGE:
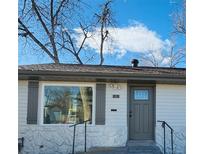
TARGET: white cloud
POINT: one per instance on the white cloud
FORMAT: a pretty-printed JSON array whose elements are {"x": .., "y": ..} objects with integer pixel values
[
  {"x": 134, "y": 38},
  {"x": 166, "y": 60}
]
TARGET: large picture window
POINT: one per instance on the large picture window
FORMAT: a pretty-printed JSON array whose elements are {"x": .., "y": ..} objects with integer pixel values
[{"x": 67, "y": 104}]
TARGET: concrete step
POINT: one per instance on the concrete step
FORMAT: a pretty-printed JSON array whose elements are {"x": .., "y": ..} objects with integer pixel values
[
  {"x": 143, "y": 146},
  {"x": 132, "y": 147},
  {"x": 144, "y": 149},
  {"x": 124, "y": 150},
  {"x": 140, "y": 143}
]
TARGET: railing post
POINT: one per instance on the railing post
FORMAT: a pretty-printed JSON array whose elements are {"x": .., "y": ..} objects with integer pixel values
[
  {"x": 163, "y": 125},
  {"x": 85, "y": 134},
  {"x": 73, "y": 149},
  {"x": 22, "y": 141},
  {"x": 172, "y": 141}
]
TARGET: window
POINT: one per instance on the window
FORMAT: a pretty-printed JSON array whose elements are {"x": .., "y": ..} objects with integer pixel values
[
  {"x": 67, "y": 104},
  {"x": 141, "y": 95}
]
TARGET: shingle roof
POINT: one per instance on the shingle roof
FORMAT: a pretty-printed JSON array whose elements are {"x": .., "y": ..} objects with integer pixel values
[{"x": 104, "y": 69}]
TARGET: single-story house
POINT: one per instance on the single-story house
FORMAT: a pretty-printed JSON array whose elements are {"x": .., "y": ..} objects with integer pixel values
[{"x": 123, "y": 103}]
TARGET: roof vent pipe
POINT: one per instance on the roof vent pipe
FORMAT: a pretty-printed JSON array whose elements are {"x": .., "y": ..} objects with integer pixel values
[{"x": 135, "y": 62}]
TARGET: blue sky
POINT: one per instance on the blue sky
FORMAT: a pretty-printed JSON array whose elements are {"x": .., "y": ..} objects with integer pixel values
[
  {"x": 143, "y": 16},
  {"x": 153, "y": 13}
]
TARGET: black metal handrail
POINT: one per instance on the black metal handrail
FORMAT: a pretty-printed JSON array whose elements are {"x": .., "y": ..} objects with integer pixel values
[
  {"x": 74, "y": 125},
  {"x": 164, "y": 124}
]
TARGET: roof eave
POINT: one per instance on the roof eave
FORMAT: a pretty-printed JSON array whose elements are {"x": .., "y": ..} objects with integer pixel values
[{"x": 92, "y": 76}]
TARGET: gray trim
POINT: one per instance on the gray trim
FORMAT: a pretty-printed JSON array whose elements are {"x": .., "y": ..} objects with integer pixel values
[
  {"x": 154, "y": 99},
  {"x": 32, "y": 108},
  {"x": 113, "y": 74},
  {"x": 100, "y": 104},
  {"x": 128, "y": 110}
]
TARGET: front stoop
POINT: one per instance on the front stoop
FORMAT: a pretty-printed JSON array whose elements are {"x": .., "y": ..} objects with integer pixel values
[
  {"x": 143, "y": 147},
  {"x": 132, "y": 147},
  {"x": 144, "y": 150}
]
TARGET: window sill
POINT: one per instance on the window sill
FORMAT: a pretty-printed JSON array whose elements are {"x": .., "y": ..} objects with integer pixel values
[{"x": 65, "y": 125}]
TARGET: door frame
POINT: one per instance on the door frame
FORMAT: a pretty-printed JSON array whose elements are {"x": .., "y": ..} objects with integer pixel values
[{"x": 129, "y": 86}]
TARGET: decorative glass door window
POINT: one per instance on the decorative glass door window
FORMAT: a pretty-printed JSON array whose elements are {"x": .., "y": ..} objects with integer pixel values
[
  {"x": 67, "y": 104},
  {"x": 141, "y": 95}
]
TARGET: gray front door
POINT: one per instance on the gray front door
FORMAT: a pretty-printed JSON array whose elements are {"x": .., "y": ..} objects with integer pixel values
[{"x": 141, "y": 113}]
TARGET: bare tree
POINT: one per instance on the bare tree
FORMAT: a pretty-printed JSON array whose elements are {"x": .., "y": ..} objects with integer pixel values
[
  {"x": 104, "y": 20},
  {"x": 51, "y": 26},
  {"x": 175, "y": 53},
  {"x": 169, "y": 58},
  {"x": 48, "y": 24},
  {"x": 151, "y": 58},
  {"x": 179, "y": 18}
]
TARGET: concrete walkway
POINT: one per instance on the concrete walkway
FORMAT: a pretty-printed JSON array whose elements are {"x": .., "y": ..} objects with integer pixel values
[{"x": 133, "y": 147}]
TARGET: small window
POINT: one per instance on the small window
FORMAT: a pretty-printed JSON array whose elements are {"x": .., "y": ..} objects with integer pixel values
[{"x": 141, "y": 94}]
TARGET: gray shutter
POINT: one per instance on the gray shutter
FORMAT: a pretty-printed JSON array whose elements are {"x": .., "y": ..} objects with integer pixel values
[
  {"x": 32, "y": 108},
  {"x": 100, "y": 104}
]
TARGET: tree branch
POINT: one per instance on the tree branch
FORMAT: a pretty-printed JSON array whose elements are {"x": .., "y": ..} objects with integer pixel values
[
  {"x": 40, "y": 19},
  {"x": 59, "y": 8},
  {"x": 84, "y": 39},
  {"x": 36, "y": 40}
]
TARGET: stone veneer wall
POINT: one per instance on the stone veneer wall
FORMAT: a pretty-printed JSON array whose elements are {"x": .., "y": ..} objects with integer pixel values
[{"x": 58, "y": 139}]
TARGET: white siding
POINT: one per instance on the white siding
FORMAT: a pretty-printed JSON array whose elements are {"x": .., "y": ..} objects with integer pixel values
[
  {"x": 22, "y": 105},
  {"x": 171, "y": 107},
  {"x": 58, "y": 138},
  {"x": 119, "y": 117}
]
